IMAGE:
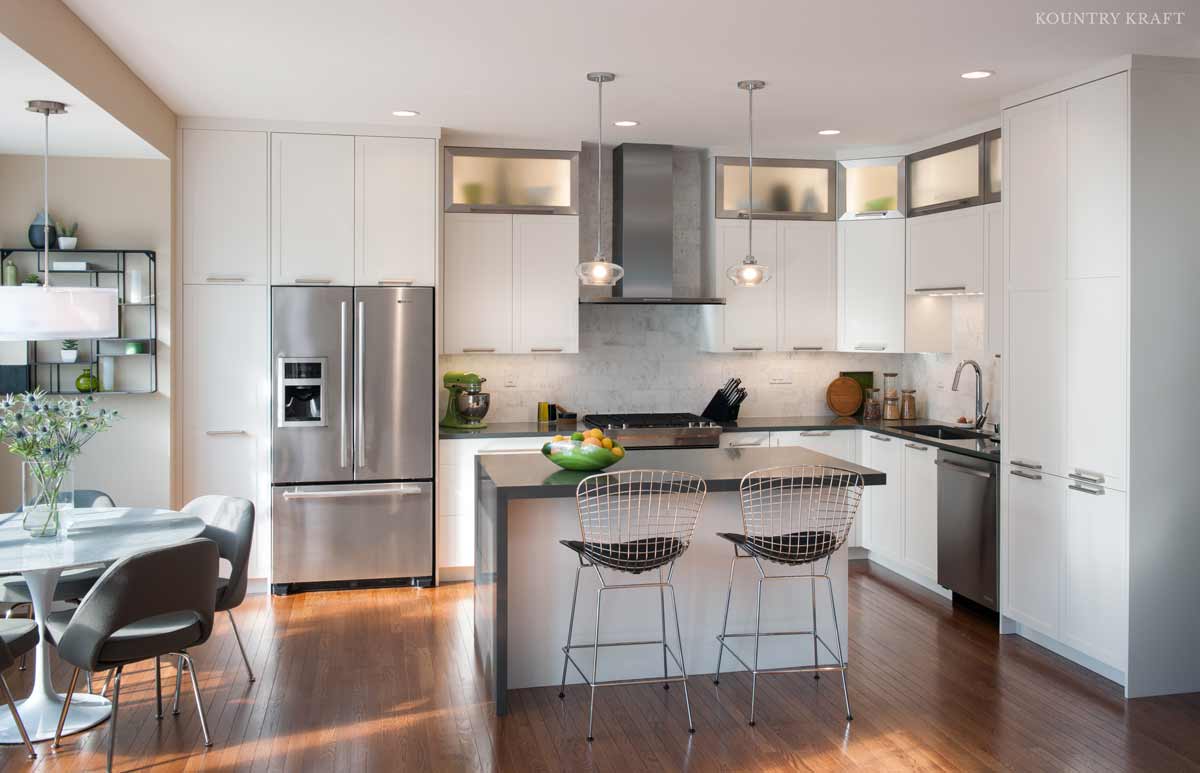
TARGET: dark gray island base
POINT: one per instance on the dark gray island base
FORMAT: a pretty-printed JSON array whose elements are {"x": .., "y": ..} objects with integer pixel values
[{"x": 523, "y": 577}]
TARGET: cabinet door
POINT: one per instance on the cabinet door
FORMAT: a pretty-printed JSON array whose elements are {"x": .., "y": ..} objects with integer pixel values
[
  {"x": 1098, "y": 178},
  {"x": 920, "y": 508},
  {"x": 993, "y": 239},
  {"x": 750, "y": 312},
  {"x": 395, "y": 211},
  {"x": 886, "y": 517},
  {"x": 1097, "y": 332},
  {"x": 1035, "y": 193},
  {"x": 945, "y": 252},
  {"x": 745, "y": 439},
  {"x": 836, "y": 443},
  {"x": 1035, "y": 371},
  {"x": 225, "y": 199},
  {"x": 546, "y": 298},
  {"x": 1095, "y": 568},
  {"x": 312, "y": 209},
  {"x": 1031, "y": 530},
  {"x": 871, "y": 286},
  {"x": 807, "y": 292},
  {"x": 478, "y": 305}
]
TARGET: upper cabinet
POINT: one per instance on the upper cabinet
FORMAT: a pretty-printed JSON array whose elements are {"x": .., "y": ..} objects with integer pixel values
[
  {"x": 993, "y": 148},
  {"x": 747, "y": 322},
  {"x": 224, "y": 212},
  {"x": 807, "y": 286},
  {"x": 512, "y": 181},
  {"x": 312, "y": 209},
  {"x": 871, "y": 188},
  {"x": 395, "y": 208},
  {"x": 871, "y": 286},
  {"x": 946, "y": 252},
  {"x": 546, "y": 292},
  {"x": 963, "y": 173},
  {"x": 784, "y": 189}
]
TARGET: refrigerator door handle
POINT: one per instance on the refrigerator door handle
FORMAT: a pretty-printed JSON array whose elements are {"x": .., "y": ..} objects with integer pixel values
[
  {"x": 360, "y": 425},
  {"x": 344, "y": 447},
  {"x": 334, "y": 494}
]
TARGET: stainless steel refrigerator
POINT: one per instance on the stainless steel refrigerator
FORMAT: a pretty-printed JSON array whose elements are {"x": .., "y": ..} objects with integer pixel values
[{"x": 353, "y": 434}]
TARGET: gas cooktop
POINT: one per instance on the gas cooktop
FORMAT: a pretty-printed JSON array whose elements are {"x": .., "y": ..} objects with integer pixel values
[{"x": 657, "y": 430}]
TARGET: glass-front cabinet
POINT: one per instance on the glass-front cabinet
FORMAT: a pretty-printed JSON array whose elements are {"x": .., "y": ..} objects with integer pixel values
[
  {"x": 994, "y": 159},
  {"x": 515, "y": 181},
  {"x": 963, "y": 173},
  {"x": 784, "y": 189},
  {"x": 871, "y": 188}
]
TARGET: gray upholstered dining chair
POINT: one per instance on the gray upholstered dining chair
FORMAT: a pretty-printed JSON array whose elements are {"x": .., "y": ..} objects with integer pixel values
[
  {"x": 159, "y": 602},
  {"x": 229, "y": 523},
  {"x": 17, "y": 637}
]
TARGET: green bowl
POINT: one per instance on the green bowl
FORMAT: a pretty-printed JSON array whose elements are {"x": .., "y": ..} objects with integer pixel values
[{"x": 579, "y": 456}]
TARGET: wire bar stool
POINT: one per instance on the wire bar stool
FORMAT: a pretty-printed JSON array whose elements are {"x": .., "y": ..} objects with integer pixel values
[
  {"x": 632, "y": 522},
  {"x": 793, "y": 516}
]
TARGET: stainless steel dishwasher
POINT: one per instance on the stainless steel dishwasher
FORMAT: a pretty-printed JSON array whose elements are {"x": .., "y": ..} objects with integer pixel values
[{"x": 969, "y": 527}]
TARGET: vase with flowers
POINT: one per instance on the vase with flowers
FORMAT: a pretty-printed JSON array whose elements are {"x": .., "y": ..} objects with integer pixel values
[{"x": 48, "y": 435}]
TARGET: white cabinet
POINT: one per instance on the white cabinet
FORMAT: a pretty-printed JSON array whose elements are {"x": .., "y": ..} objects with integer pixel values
[
  {"x": 395, "y": 211},
  {"x": 871, "y": 285},
  {"x": 745, "y": 440},
  {"x": 995, "y": 295},
  {"x": 1094, "y": 571},
  {"x": 1032, "y": 534},
  {"x": 1034, "y": 369},
  {"x": 312, "y": 209},
  {"x": 1096, "y": 342},
  {"x": 885, "y": 514},
  {"x": 750, "y": 313},
  {"x": 1097, "y": 143},
  {"x": 836, "y": 443},
  {"x": 807, "y": 285},
  {"x": 224, "y": 209},
  {"x": 225, "y": 389},
  {"x": 1035, "y": 193},
  {"x": 546, "y": 303},
  {"x": 946, "y": 251},
  {"x": 478, "y": 287},
  {"x": 920, "y": 508}
]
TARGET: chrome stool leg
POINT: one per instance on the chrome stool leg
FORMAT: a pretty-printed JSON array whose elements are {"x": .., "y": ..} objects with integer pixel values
[
  {"x": 595, "y": 663},
  {"x": 662, "y": 610},
  {"x": 837, "y": 632},
  {"x": 725, "y": 624},
  {"x": 813, "y": 595},
  {"x": 562, "y": 688},
  {"x": 682, "y": 667},
  {"x": 757, "y": 636}
]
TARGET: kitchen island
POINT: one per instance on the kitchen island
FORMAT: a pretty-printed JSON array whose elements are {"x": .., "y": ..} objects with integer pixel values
[{"x": 524, "y": 577}]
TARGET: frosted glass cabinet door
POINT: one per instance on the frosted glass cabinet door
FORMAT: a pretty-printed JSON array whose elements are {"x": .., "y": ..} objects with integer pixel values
[
  {"x": 513, "y": 181},
  {"x": 946, "y": 177},
  {"x": 783, "y": 188},
  {"x": 871, "y": 188}
]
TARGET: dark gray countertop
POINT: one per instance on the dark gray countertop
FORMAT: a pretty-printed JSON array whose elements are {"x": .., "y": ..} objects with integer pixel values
[
  {"x": 508, "y": 429},
  {"x": 533, "y": 476}
]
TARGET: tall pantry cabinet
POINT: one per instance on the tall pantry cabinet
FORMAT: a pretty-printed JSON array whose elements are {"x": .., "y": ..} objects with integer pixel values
[{"x": 1098, "y": 521}]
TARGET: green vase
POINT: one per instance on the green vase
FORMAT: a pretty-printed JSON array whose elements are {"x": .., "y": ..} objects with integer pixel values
[{"x": 87, "y": 381}]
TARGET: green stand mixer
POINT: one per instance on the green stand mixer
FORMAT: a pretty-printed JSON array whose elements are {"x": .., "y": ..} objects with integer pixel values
[{"x": 468, "y": 403}]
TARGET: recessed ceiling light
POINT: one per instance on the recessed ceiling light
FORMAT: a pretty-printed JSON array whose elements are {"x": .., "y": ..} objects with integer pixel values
[
  {"x": 405, "y": 113},
  {"x": 830, "y": 132},
  {"x": 977, "y": 74},
  {"x": 625, "y": 123}
]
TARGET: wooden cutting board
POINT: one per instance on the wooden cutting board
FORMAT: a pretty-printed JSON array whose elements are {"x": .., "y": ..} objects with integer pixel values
[{"x": 844, "y": 396}]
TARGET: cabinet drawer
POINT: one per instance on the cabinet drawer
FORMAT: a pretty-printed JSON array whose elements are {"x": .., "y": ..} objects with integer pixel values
[{"x": 745, "y": 439}]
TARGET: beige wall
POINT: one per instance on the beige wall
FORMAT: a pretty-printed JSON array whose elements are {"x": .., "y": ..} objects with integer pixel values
[{"x": 123, "y": 203}]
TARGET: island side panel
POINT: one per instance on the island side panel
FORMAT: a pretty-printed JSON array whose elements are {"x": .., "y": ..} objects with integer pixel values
[
  {"x": 541, "y": 573},
  {"x": 491, "y": 558}
]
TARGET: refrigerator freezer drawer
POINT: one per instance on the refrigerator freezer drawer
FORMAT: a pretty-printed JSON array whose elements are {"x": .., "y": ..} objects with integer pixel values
[{"x": 349, "y": 532}]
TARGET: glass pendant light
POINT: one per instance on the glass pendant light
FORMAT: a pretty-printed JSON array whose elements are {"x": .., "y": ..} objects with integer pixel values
[
  {"x": 750, "y": 273},
  {"x": 47, "y": 313},
  {"x": 601, "y": 271}
]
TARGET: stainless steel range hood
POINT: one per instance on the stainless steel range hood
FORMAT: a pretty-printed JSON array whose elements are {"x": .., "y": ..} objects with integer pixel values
[{"x": 644, "y": 228}]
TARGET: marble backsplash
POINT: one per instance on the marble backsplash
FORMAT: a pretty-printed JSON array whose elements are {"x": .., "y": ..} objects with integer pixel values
[{"x": 650, "y": 359}]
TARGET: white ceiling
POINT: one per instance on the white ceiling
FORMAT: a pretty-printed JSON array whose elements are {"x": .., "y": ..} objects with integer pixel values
[
  {"x": 85, "y": 130},
  {"x": 882, "y": 72}
]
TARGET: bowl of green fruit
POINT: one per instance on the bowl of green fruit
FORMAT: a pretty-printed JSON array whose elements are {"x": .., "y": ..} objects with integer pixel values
[{"x": 587, "y": 451}]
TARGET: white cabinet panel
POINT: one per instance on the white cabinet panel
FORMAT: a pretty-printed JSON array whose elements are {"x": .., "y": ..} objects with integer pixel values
[
  {"x": 885, "y": 518},
  {"x": 478, "y": 283},
  {"x": 545, "y": 253},
  {"x": 395, "y": 211},
  {"x": 920, "y": 508},
  {"x": 871, "y": 285},
  {"x": 836, "y": 443},
  {"x": 807, "y": 291},
  {"x": 312, "y": 208},
  {"x": 224, "y": 211},
  {"x": 945, "y": 251},
  {"x": 1035, "y": 193},
  {"x": 1098, "y": 178},
  {"x": 1035, "y": 372},
  {"x": 1095, "y": 568},
  {"x": 750, "y": 313},
  {"x": 996, "y": 292},
  {"x": 1032, "y": 532},
  {"x": 1096, "y": 437}
]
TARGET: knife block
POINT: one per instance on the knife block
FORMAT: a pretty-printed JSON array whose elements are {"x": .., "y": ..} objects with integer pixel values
[{"x": 719, "y": 409}]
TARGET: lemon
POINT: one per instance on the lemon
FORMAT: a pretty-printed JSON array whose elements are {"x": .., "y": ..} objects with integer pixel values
[
  {"x": 596, "y": 433},
  {"x": 559, "y": 438},
  {"x": 618, "y": 452},
  {"x": 606, "y": 442}
]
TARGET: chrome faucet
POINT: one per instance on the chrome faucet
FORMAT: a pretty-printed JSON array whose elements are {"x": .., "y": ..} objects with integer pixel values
[{"x": 980, "y": 417}]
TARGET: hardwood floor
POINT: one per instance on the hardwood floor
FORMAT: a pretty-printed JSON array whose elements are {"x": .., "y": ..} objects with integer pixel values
[{"x": 385, "y": 680}]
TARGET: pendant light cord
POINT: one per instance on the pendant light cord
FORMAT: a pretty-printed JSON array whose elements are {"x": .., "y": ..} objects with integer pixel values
[
  {"x": 599, "y": 168},
  {"x": 46, "y": 197},
  {"x": 750, "y": 214}
]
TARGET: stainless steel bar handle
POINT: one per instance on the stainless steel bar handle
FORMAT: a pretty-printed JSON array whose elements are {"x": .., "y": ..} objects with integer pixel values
[
  {"x": 398, "y": 281},
  {"x": 872, "y": 213},
  {"x": 813, "y": 433},
  {"x": 747, "y": 444},
  {"x": 225, "y": 432},
  {"x": 373, "y": 492},
  {"x": 1026, "y": 465},
  {"x": 224, "y": 278},
  {"x": 1096, "y": 492},
  {"x": 1087, "y": 476},
  {"x": 965, "y": 469},
  {"x": 360, "y": 424},
  {"x": 881, "y": 437},
  {"x": 747, "y": 348},
  {"x": 870, "y": 347},
  {"x": 313, "y": 280},
  {"x": 916, "y": 447},
  {"x": 545, "y": 348},
  {"x": 478, "y": 349},
  {"x": 344, "y": 447},
  {"x": 807, "y": 348},
  {"x": 938, "y": 289},
  {"x": 1026, "y": 475}
]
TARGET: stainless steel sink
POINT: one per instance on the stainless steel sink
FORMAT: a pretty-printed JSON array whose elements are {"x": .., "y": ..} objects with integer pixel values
[{"x": 946, "y": 433}]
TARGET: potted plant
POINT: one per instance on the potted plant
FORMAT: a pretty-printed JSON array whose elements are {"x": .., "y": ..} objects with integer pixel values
[
  {"x": 66, "y": 237},
  {"x": 70, "y": 350},
  {"x": 48, "y": 435},
  {"x": 32, "y": 280}
]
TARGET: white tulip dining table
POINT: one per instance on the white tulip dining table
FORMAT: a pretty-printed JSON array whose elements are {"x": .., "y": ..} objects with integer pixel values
[{"x": 90, "y": 537}]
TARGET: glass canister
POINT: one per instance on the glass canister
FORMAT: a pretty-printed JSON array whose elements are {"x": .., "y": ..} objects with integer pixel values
[
  {"x": 872, "y": 409},
  {"x": 908, "y": 403},
  {"x": 891, "y": 397}
]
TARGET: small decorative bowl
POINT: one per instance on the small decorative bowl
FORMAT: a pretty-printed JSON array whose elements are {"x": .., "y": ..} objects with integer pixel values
[{"x": 579, "y": 456}]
